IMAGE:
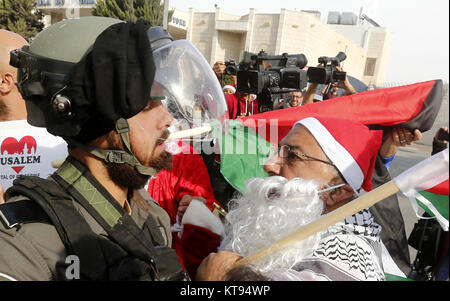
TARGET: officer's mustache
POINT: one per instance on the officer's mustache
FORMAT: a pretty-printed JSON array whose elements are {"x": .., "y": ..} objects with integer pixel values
[{"x": 163, "y": 137}]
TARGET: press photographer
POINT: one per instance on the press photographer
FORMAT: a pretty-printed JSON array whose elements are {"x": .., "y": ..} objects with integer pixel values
[
  {"x": 239, "y": 104},
  {"x": 328, "y": 73},
  {"x": 270, "y": 76},
  {"x": 279, "y": 81}
]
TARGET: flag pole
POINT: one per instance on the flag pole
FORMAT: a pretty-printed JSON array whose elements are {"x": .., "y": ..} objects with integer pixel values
[{"x": 364, "y": 201}]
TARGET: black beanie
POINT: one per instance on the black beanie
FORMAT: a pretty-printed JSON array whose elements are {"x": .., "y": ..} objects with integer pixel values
[{"x": 112, "y": 81}]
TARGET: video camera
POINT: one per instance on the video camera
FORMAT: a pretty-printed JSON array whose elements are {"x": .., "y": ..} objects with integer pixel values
[
  {"x": 231, "y": 68},
  {"x": 327, "y": 74},
  {"x": 273, "y": 74},
  {"x": 270, "y": 76}
]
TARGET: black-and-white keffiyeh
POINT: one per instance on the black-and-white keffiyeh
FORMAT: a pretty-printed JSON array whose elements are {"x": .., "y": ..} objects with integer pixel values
[{"x": 348, "y": 250}]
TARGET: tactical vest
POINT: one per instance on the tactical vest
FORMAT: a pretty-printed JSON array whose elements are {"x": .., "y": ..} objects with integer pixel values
[{"x": 128, "y": 253}]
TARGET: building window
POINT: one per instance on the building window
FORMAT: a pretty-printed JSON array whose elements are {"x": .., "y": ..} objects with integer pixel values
[{"x": 370, "y": 66}]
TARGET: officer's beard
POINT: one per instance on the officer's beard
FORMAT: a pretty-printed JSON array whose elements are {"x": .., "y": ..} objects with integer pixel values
[
  {"x": 3, "y": 111},
  {"x": 126, "y": 175}
]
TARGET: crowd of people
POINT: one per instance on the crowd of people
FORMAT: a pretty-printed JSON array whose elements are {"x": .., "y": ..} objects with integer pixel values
[{"x": 128, "y": 209}]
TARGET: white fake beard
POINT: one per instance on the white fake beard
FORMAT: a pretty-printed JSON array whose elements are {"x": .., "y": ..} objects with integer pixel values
[{"x": 272, "y": 209}]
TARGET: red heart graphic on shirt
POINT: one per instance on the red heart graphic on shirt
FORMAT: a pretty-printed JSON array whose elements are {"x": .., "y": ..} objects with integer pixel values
[{"x": 11, "y": 146}]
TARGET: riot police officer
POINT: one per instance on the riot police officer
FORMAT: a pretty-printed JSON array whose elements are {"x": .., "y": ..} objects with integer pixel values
[{"x": 105, "y": 86}]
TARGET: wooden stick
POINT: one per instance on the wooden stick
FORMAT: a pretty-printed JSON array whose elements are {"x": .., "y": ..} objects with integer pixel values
[
  {"x": 190, "y": 133},
  {"x": 325, "y": 221}
]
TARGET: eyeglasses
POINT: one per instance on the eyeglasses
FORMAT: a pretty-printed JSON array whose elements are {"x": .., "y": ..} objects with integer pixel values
[{"x": 284, "y": 150}]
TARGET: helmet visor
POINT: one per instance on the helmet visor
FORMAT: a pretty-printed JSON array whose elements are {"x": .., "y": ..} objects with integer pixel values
[{"x": 187, "y": 86}]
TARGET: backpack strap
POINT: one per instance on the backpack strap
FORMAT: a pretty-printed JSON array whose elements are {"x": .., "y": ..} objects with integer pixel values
[{"x": 22, "y": 212}]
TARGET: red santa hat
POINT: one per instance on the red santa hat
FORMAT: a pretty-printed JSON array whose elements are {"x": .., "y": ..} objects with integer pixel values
[
  {"x": 230, "y": 86},
  {"x": 351, "y": 146}
]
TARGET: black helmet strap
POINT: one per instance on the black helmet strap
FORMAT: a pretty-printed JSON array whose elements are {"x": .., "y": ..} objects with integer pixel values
[{"x": 118, "y": 156}]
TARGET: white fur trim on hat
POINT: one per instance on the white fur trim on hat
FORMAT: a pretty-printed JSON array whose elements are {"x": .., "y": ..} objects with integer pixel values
[
  {"x": 336, "y": 152},
  {"x": 229, "y": 87},
  {"x": 199, "y": 215}
]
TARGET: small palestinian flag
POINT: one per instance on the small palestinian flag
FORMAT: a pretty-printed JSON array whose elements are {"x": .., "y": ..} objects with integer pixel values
[
  {"x": 426, "y": 185},
  {"x": 435, "y": 202}
]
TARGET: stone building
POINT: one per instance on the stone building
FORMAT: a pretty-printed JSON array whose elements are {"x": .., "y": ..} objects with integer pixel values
[{"x": 222, "y": 36}]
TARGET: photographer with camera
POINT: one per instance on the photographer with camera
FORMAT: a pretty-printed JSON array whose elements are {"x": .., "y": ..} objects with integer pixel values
[
  {"x": 345, "y": 84},
  {"x": 239, "y": 104},
  {"x": 330, "y": 73},
  {"x": 273, "y": 78},
  {"x": 223, "y": 73}
]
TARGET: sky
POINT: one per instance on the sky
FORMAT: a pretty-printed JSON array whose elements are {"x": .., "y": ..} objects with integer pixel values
[{"x": 419, "y": 28}]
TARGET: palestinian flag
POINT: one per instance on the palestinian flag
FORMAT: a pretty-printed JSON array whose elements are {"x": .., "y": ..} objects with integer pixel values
[
  {"x": 246, "y": 143},
  {"x": 435, "y": 202},
  {"x": 427, "y": 184}
]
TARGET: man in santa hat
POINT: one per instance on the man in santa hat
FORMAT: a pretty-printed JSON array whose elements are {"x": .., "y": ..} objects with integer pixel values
[{"x": 339, "y": 155}]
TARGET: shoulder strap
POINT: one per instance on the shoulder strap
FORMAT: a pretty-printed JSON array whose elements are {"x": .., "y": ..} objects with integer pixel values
[
  {"x": 22, "y": 212},
  {"x": 76, "y": 179},
  {"x": 104, "y": 208}
]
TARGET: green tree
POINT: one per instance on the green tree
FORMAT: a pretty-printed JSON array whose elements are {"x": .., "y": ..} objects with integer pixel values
[
  {"x": 131, "y": 10},
  {"x": 22, "y": 17}
]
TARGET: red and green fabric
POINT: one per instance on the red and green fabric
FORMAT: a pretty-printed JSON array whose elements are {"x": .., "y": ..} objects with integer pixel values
[
  {"x": 242, "y": 153},
  {"x": 435, "y": 201},
  {"x": 413, "y": 106},
  {"x": 426, "y": 185}
]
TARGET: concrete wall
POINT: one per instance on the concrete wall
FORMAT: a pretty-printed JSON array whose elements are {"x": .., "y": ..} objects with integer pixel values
[
  {"x": 202, "y": 33},
  {"x": 304, "y": 33},
  {"x": 227, "y": 39},
  {"x": 265, "y": 30},
  {"x": 378, "y": 46}
]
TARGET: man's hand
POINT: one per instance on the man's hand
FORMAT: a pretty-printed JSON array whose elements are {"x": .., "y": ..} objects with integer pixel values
[
  {"x": 437, "y": 134},
  {"x": 219, "y": 68},
  {"x": 398, "y": 137},
  {"x": 184, "y": 204},
  {"x": 345, "y": 84},
  {"x": 2, "y": 194},
  {"x": 216, "y": 265},
  {"x": 404, "y": 137}
]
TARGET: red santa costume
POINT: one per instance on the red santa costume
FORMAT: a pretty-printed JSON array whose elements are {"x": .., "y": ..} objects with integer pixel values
[
  {"x": 248, "y": 105},
  {"x": 188, "y": 176}
]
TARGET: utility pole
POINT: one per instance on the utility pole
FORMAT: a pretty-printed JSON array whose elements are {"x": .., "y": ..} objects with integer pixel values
[{"x": 166, "y": 14}]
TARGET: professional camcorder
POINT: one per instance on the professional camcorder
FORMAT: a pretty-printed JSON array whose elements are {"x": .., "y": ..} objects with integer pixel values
[
  {"x": 231, "y": 68},
  {"x": 327, "y": 73},
  {"x": 272, "y": 74}
]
